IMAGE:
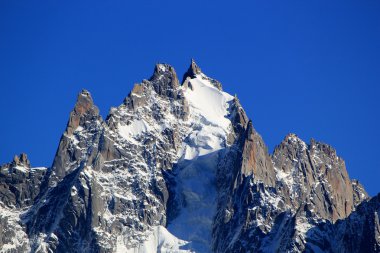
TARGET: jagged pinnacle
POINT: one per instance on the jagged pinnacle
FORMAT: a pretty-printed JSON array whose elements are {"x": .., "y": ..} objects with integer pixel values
[
  {"x": 84, "y": 102},
  {"x": 294, "y": 140},
  {"x": 83, "y": 106},
  {"x": 163, "y": 68},
  {"x": 192, "y": 71},
  {"x": 291, "y": 136},
  {"x": 21, "y": 160},
  {"x": 164, "y": 79},
  {"x": 194, "y": 68}
]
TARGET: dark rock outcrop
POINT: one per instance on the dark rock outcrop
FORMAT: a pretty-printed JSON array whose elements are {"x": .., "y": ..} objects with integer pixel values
[
  {"x": 19, "y": 184},
  {"x": 358, "y": 233},
  {"x": 195, "y": 71}
]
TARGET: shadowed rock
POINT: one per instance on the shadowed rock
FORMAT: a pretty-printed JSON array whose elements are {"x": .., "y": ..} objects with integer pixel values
[
  {"x": 195, "y": 71},
  {"x": 192, "y": 71},
  {"x": 19, "y": 184},
  {"x": 164, "y": 80}
]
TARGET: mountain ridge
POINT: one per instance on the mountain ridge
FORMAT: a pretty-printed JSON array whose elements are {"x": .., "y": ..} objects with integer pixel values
[{"x": 180, "y": 168}]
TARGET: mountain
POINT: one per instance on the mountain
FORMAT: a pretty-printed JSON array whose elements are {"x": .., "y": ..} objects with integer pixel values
[{"x": 179, "y": 167}]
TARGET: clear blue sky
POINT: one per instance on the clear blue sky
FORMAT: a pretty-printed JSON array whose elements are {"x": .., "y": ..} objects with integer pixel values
[{"x": 308, "y": 67}]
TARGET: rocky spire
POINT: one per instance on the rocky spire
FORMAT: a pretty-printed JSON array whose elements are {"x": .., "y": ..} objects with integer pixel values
[
  {"x": 84, "y": 109},
  {"x": 84, "y": 121},
  {"x": 255, "y": 157},
  {"x": 21, "y": 160},
  {"x": 195, "y": 70},
  {"x": 164, "y": 80},
  {"x": 192, "y": 71}
]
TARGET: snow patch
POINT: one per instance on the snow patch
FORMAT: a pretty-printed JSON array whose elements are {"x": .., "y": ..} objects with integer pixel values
[
  {"x": 136, "y": 128},
  {"x": 161, "y": 67},
  {"x": 160, "y": 240},
  {"x": 21, "y": 168}
]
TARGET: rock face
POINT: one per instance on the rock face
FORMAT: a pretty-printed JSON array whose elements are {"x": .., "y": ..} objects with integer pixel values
[
  {"x": 359, "y": 232},
  {"x": 180, "y": 168},
  {"x": 19, "y": 184},
  {"x": 19, "y": 187},
  {"x": 315, "y": 175},
  {"x": 276, "y": 205}
]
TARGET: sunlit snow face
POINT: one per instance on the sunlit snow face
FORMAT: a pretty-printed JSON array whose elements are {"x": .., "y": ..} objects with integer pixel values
[{"x": 208, "y": 109}]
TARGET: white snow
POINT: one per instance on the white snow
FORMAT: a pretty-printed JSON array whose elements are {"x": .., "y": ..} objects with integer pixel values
[
  {"x": 74, "y": 191},
  {"x": 39, "y": 168},
  {"x": 79, "y": 129},
  {"x": 161, "y": 67},
  {"x": 208, "y": 109},
  {"x": 302, "y": 227},
  {"x": 11, "y": 219},
  {"x": 284, "y": 177},
  {"x": 22, "y": 168},
  {"x": 160, "y": 240},
  {"x": 196, "y": 170},
  {"x": 208, "y": 101},
  {"x": 135, "y": 128},
  {"x": 196, "y": 186}
]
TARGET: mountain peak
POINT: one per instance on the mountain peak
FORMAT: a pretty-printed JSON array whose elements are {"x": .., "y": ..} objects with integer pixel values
[
  {"x": 84, "y": 102},
  {"x": 293, "y": 138},
  {"x": 163, "y": 69},
  {"x": 195, "y": 71},
  {"x": 164, "y": 80},
  {"x": 84, "y": 108},
  {"x": 192, "y": 71},
  {"x": 21, "y": 160}
]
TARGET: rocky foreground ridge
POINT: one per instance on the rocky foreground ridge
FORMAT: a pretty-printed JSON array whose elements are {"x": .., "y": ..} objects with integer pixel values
[{"x": 179, "y": 167}]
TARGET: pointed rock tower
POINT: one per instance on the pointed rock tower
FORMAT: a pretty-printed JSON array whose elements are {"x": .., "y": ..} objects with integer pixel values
[{"x": 77, "y": 142}]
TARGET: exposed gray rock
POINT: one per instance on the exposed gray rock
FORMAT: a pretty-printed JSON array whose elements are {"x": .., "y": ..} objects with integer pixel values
[
  {"x": 21, "y": 161},
  {"x": 164, "y": 80},
  {"x": 358, "y": 233},
  {"x": 359, "y": 192},
  {"x": 79, "y": 141},
  {"x": 19, "y": 184},
  {"x": 314, "y": 174},
  {"x": 247, "y": 199},
  {"x": 19, "y": 187}
]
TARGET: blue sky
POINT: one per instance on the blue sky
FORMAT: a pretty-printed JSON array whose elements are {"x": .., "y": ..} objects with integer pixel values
[{"x": 308, "y": 67}]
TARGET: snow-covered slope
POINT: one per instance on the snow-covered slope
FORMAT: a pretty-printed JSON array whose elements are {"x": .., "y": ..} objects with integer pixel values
[
  {"x": 195, "y": 171},
  {"x": 201, "y": 134},
  {"x": 208, "y": 117}
]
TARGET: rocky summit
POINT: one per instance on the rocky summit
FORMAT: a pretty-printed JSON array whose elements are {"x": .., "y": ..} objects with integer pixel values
[{"x": 179, "y": 167}]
